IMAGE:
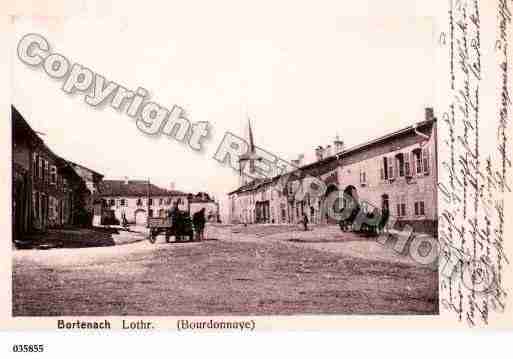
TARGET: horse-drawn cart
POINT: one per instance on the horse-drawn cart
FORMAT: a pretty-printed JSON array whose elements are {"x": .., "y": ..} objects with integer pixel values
[{"x": 178, "y": 225}]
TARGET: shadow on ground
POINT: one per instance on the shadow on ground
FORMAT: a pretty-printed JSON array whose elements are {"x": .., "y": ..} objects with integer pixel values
[{"x": 79, "y": 238}]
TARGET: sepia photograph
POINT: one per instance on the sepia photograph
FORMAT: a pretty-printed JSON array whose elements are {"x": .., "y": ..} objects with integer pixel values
[{"x": 165, "y": 170}]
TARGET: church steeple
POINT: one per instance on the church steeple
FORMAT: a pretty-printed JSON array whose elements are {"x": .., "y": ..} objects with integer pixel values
[{"x": 250, "y": 156}]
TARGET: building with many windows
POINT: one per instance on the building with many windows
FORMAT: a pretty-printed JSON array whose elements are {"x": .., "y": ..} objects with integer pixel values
[
  {"x": 397, "y": 170},
  {"x": 136, "y": 200}
]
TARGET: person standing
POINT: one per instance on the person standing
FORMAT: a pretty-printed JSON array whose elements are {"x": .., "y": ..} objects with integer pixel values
[
  {"x": 305, "y": 221},
  {"x": 198, "y": 221}
]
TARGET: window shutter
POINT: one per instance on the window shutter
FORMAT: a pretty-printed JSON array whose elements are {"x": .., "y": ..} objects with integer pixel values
[
  {"x": 381, "y": 171},
  {"x": 40, "y": 167},
  {"x": 412, "y": 163},
  {"x": 419, "y": 161},
  {"x": 46, "y": 172}
]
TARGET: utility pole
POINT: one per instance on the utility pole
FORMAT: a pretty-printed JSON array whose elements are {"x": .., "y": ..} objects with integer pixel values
[{"x": 148, "y": 201}]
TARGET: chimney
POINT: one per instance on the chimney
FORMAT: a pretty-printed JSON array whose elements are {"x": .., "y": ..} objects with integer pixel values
[
  {"x": 319, "y": 153},
  {"x": 338, "y": 144},
  {"x": 125, "y": 179},
  {"x": 429, "y": 114},
  {"x": 171, "y": 186}
]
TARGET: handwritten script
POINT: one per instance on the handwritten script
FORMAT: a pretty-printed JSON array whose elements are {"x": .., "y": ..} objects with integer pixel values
[{"x": 474, "y": 173}]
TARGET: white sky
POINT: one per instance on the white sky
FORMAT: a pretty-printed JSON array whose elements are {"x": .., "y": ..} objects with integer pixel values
[{"x": 301, "y": 73}]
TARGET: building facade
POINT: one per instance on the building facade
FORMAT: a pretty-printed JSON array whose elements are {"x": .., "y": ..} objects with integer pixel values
[
  {"x": 137, "y": 200},
  {"x": 46, "y": 192},
  {"x": 397, "y": 170}
]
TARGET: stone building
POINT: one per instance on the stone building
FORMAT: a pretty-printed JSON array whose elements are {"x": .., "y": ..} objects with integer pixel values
[
  {"x": 46, "y": 191},
  {"x": 397, "y": 170},
  {"x": 139, "y": 199}
]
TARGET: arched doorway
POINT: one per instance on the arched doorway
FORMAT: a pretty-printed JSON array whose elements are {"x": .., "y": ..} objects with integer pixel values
[
  {"x": 352, "y": 192},
  {"x": 140, "y": 217},
  {"x": 336, "y": 205},
  {"x": 350, "y": 201}
]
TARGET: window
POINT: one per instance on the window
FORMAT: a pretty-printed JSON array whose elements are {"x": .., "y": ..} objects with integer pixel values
[
  {"x": 425, "y": 160},
  {"x": 400, "y": 163},
  {"x": 401, "y": 206},
  {"x": 401, "y": 209},
  {"x": 150, "y": 213},
  {"x": 35, "y": 159},
  {"x": 53, "y": 175},
  {"x": 419, "y": 208},
  {"x": 161, "y": 201},
  {"x": 150, "y": 202},
  {"x": 112, "y": 202},
  {"x": 417, "y": 160},
  {"x": 406, "y": 158},
  {"x": 122, "y": 202},
  {"x": 168, "y": 200},
  {"x": 40, "y": 169},
  {"x": 363, "y": 176},
  {"x": 391, "y": 168},
  {"x": 385, "y": 168},
  {"x": 45, "y": 172},
  {"x": 139, "y": 202}
]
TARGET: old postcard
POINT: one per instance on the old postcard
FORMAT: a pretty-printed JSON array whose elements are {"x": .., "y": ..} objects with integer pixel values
[{"x": 215, "y": 166}]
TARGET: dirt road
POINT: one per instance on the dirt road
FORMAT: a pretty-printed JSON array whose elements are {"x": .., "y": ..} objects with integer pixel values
[{"x": 224, "y": 275}]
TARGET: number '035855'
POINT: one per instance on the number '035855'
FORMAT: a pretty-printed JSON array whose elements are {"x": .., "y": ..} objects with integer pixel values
[{"x": 28, "y": 348}]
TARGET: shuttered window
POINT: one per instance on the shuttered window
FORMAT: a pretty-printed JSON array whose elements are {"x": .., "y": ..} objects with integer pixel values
[
  {"x": 406, "y": 157},
  {"x": 391, "y": 165},
  {"x": 425, "y": 160},
  {"x": 53, "y": 175}
]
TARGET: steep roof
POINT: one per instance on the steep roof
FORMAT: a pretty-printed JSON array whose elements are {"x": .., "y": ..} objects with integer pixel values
[
  {"x": 21, "y": 131},
  {"x": 86, "y": 168},
  {"x": 133, "y": 188}
]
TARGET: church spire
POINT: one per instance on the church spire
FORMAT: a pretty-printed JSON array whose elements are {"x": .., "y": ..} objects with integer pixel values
[
  {"x": 250, "y": 156},
  {"x": 251, "y": 141}
]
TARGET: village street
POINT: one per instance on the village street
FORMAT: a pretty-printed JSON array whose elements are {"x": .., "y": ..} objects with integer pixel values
[{"x": 254, "y": 270}]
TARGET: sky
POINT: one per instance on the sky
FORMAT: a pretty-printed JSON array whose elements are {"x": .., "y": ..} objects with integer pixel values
[{"x": 302, "y": 76}]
